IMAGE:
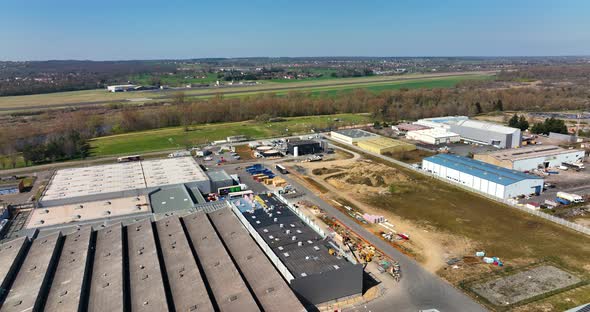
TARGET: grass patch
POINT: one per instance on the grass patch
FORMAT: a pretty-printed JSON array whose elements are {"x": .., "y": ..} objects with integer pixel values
[
  {"x": 177, "y": 137},
  {"x": 410, "y": 157}
]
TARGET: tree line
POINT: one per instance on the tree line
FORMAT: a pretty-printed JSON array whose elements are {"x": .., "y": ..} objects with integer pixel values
[{"x": 58, "y": 135}]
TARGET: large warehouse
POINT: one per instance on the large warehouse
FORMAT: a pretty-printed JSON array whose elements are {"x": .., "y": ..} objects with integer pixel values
[
  {"x": 476, "y": 131},
  {"x": 433, "y": 136},
  {"x": 200, "y": 262},
  {"x": 352, "y": 136},
  {"x": 489, "y": 179},
  {"x": 532, "y": 157},
  {"x": 381, "y": 145},
  {"x": 487, "y": 133},
  {"x": 300, "y": 253},
  {"x": 74, "y": 185}
]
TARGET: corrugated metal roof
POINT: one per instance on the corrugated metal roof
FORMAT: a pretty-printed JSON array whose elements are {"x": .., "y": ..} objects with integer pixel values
[
  {"x": 476, "y": 124},
  {"x": 480, "y": 169}
]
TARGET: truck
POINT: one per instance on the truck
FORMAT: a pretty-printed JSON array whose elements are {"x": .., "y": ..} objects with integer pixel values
[
  {"x": 282, "y": 169},
  {"x": 568, "y": 198},
  {"x": 179, "y": 154}
]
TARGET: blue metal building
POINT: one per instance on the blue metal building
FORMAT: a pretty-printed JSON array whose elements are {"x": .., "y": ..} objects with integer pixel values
[{"x": 489, "y": 179}]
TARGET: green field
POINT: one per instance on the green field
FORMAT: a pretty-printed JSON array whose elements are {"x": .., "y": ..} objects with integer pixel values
[
  {"x": 172, "y": 80},
  {"x": 63, "y": 99},
  {"x": 171, "y": 138},
  {"x": 447, "y": 82}
]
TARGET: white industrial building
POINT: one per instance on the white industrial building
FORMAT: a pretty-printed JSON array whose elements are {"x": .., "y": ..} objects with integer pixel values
[
  {"x": 122, "y": 88},
  {"x": 532, "y": 157},
  {"x": 492, "y": 180},
  {"x": 352, "y": 136},
  {"x": 433, "y": 136},
  {"x": 440, "y": 122},
  {"x": 74, "y": 185},
  {"x": 480, "y": 132}
]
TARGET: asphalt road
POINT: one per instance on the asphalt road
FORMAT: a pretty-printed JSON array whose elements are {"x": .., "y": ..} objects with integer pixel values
[{"x": 168, "y": 94}]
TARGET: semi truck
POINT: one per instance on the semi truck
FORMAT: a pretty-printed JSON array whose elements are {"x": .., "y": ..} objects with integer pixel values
[{"x": 568, "y": 198}]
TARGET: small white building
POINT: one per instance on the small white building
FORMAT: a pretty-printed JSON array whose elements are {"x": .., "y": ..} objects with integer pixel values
[
  {"x": 433, "y": 136},
  {"x": 352, "y": 136},
  {"x": 122, "y": 88},
  {"x": 482, "y": 177}
]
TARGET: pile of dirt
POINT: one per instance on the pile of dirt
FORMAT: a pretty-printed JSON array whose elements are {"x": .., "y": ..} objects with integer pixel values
[
  {"x": 324, "y": 170},
  {"x": 369, "y": 176}
]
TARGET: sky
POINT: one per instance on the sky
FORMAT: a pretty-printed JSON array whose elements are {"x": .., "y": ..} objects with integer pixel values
[{"x": 174, "y": 29}]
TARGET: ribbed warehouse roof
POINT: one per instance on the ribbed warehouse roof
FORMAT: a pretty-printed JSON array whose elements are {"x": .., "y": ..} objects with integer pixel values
[
  {"x": 480, "y": 169},
  {"x": 476, "y": 124},
  {"x": 198, "y": 262}
]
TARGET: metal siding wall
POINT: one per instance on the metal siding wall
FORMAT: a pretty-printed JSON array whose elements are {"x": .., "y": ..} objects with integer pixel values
[
  {"x": 500, "y": 191},
  {"x": 484, "y": 186},
  {"x": 491, "y": 188},
  {"x": 476, "y": 183}
]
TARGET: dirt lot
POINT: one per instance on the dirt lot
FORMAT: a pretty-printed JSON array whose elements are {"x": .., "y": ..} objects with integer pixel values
[
  {"x": 512, "y": 289},
  {"x": 445, "y": 222}
]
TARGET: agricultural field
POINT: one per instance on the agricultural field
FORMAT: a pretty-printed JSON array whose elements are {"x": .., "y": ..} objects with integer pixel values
[
  {"x": 177, "y": 137},
  {"x": 318, "y": 86},
  {"x": 179, "y": 79}
]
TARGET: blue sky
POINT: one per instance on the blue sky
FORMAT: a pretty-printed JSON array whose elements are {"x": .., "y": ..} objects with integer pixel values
[{"x": 129, "y": 29}]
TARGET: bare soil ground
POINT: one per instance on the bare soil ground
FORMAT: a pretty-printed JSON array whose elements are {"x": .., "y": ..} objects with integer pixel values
[
  {"x": 512, "y": 289},
  {"x": 444, "y": 222},
  {"x": 353, "y": 179}
]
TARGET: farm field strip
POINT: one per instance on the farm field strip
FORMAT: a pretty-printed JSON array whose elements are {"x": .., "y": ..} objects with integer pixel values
[{"x": 96, "y": 97}]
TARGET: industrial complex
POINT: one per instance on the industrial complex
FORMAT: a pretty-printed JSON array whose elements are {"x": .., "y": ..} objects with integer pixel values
[
  {"x": 475, "y": 131},
  {"x": 131, "y": 188},
  {"x": 118, "y": 268},
  {"x": 236, "y": 227},
  {"x": 492, "y": 180},
  {"x": 532, "y": 157}
]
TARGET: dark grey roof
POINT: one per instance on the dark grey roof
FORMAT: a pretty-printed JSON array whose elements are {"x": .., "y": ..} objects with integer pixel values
[
  {"x": 227, "y": 286},
  {"x": 145, "y": 278},
  {"x": 178, "y": 263},
  {"x": 302, "y": 142},
  {"x": 32, "y": 276},
  {"x": 355, "y": 133},
  {"x": 299, "y": 247},
  {"x": 70, "y": 272},
  {"x": 106, "y": 284},
  {"x": 267, "y": 284},
  {"x": 186, "y": 283}
]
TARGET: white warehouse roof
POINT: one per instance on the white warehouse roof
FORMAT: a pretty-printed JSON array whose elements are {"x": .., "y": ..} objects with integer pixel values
[
  {"x": 437, "y": 133},
  {"x": 476, "y": 124}
]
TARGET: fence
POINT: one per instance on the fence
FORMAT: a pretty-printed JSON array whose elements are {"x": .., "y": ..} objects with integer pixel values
[{"x": 574, "y": 226}]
